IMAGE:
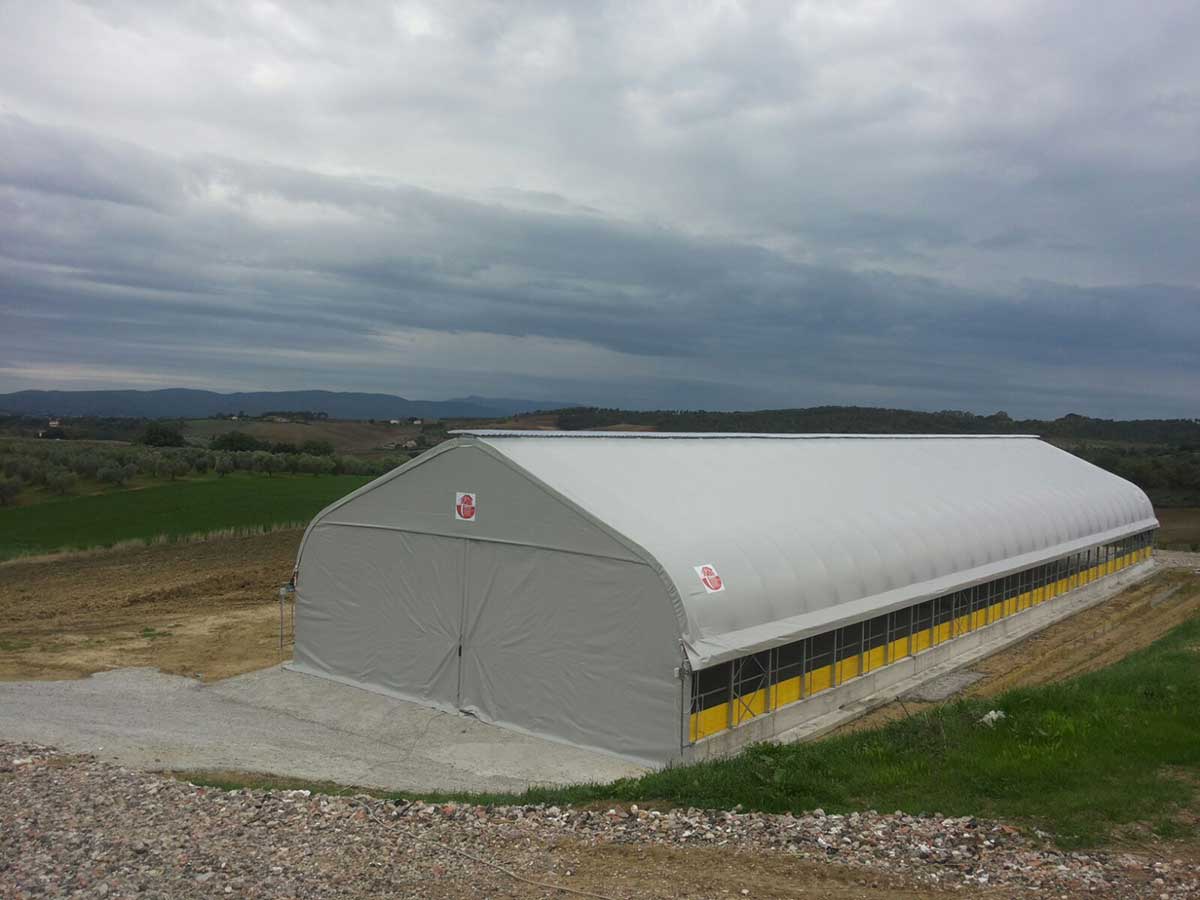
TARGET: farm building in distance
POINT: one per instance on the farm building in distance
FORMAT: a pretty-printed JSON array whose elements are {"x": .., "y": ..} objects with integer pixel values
[{"x": 668, "y": 596}]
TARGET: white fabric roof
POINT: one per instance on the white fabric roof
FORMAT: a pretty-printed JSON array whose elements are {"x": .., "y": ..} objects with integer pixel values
[{"x": 811, "y": 531}]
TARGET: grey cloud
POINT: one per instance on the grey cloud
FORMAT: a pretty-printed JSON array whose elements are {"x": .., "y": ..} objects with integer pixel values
[{"x": 929, "y": 209}]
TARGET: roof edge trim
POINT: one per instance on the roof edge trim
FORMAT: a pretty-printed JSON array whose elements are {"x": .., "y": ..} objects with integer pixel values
[
  {"x": 726, "y": 435},
  {"x": 715, "y": 649}
]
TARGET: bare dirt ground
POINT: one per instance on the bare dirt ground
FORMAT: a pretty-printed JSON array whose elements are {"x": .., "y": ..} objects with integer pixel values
[
  {"x": 210, "y": 608},
  {"x": 1179, "y": 527},
  {"x": 1092, "y": 639}
]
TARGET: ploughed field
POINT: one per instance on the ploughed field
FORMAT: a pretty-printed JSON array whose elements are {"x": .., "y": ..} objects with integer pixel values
[
  {"x": 210, "y": 607},
  {"x": 1180, "y": 527}
]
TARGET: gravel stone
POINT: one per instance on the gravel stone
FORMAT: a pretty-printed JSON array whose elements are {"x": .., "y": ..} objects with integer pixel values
[{"x": 72, "y": 826}]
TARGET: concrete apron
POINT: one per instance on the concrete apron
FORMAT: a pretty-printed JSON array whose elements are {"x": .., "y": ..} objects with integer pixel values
[{"x": 818, "y": 715}]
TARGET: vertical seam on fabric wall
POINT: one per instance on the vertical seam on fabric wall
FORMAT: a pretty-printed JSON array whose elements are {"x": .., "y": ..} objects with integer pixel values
[{"x": 462, "y": 618}]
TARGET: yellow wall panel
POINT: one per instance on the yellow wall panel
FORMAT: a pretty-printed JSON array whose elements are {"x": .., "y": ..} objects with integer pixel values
[
  {"x": 875, "y": 658},
  {"x": 710, "y": 721},
  {"x": 820, "y": 679},
  {"x": 787, "y": 691},
  {"x": 748, "y": 706}
]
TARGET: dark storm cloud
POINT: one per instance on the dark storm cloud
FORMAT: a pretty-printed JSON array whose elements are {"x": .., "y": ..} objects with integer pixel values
[{"x": 790, "y": 205}]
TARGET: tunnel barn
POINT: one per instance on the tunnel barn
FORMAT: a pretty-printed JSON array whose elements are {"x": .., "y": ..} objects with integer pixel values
[{"x": 670, "y": 596}]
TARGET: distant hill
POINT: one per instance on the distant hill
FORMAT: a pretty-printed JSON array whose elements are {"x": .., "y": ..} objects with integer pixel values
[
  {"x": 191, "y": 404},
  {"x": 874, "y": 420}
]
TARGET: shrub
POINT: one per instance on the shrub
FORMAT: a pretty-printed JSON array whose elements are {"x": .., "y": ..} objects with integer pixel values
[
  {"x": 317, "y": 448},
  {"x": 201, "y": 461},
  {"x": 177, "y": 467},
  {"x": 61, "y": 481},
  {"x": 236, "y": 441},
  {"x": 111, "y": 474},
  {"x": 26, "y": 468},
  {"x": 261, "y": 461},
  {"x": 85, "y": 464},
  {"x": 117, "y": 475},
  {"x": 316, "y": 465},
  {"x": 160, "y": 434}
]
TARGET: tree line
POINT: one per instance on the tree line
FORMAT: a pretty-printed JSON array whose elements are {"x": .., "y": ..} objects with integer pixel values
[
  {"x": 59, "y": 468},
  {"x": 873, "y": 420}
]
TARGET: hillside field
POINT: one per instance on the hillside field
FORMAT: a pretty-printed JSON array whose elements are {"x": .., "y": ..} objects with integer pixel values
[
  {"x": 364, "y": 439},
  {"x": 174, "y": 509}
]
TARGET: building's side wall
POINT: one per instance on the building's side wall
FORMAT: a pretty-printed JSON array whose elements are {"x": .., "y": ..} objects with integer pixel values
[{"x": 734, "y": 693}]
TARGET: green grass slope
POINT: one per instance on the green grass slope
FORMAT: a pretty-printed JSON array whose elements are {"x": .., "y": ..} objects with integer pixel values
[
  {"x": 1080, "y": 759},
  {"x": 174, "y": 509}
]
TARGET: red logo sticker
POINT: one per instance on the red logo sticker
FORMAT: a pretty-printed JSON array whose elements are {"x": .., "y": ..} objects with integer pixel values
[
  {"x": 464, "y": 507},
  {"x": 710, "y": 579}
]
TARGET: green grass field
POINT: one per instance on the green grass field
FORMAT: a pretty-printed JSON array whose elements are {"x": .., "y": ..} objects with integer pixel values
[
  {"x": 174, "y": 509},
  {"x": 1083, "y": 760}
]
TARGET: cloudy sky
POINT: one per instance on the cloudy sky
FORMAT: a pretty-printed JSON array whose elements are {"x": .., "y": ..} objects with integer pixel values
[{"x": 972, "y": 205}]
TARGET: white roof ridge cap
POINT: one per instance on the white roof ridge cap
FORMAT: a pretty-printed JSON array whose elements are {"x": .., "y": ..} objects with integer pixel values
[{"x": 723, "y": 435}]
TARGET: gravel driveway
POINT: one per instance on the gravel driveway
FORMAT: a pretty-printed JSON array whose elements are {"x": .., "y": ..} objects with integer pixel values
[
  {"x": 74, "y": 826},
  {"x": 282, "y": 722}
]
